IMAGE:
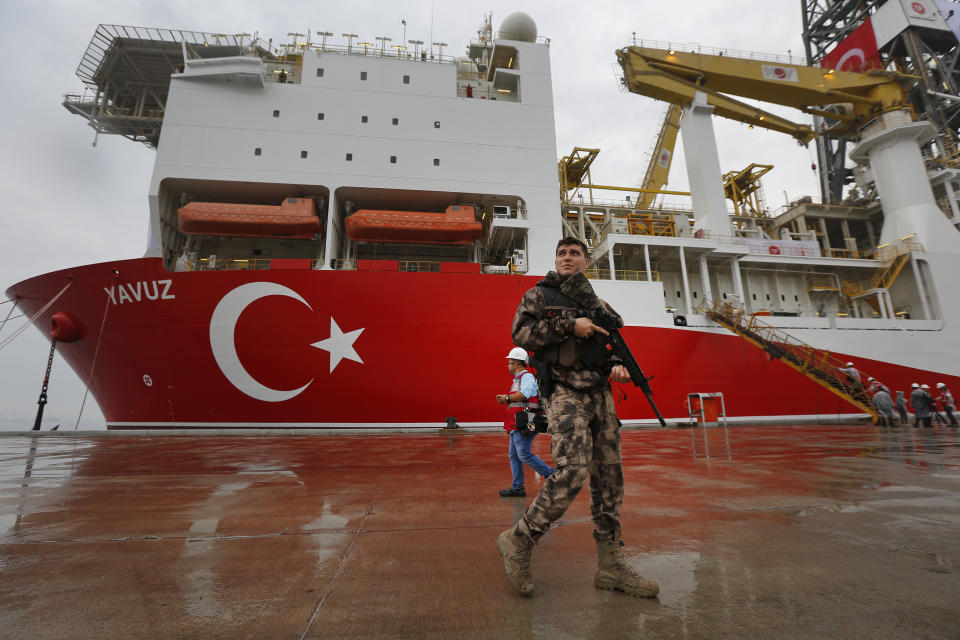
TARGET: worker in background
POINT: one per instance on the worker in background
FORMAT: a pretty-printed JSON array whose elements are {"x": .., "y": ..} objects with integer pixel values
[
  {"x": 521, "y": 396},
  {"x": 853, "y": 376},
  {"x": 949, "y": 404},
  {"x": 920, "y": 402},
  {"x": 556, "y": 320},
  {"x": 884, "y": 404},
  {"x": 874, "y": 385},
  {"x": 901, "y": 402}
]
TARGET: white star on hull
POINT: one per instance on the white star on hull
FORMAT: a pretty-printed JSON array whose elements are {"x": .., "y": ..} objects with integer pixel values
[{"x": 339, "y": 345}]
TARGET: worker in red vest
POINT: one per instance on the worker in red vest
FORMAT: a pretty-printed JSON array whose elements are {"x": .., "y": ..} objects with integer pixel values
[{"x": 521, "y": 397}]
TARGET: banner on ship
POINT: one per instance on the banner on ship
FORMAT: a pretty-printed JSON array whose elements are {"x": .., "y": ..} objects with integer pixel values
[
  {"x": 807, "y": 248},
  {"x": 857, "y": 52}
]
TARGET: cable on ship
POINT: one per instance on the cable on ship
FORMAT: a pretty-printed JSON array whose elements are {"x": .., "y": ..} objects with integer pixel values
[
  {"x": 43, "y": 309},
  {"x": 96, "y": 352},
  {"x": 4, "y": 323}
]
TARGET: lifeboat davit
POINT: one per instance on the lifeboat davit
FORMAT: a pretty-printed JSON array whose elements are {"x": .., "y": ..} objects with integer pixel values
[
  {"x": 294, "y": 218},
  {"x": 456, "y": 225}
]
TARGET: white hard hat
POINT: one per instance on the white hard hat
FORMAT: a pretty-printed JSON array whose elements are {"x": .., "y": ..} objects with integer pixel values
[
  {"x": 915, "y": 385},
  {"x": 870, "y": 379},
  {"x": 924, "y": 386},
  {"x": 849, "y": 364},
  {"x": 940, "y": 385},
  {"x": 517, "y": 354}
]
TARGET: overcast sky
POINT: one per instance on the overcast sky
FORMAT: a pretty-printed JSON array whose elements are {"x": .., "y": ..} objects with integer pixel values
[{"x": 65, "y": 203}]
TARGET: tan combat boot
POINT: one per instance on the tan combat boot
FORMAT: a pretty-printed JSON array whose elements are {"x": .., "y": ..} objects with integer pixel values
[
  {"x": 614, "y": 573},
  {"x": 516, "y": 548}
]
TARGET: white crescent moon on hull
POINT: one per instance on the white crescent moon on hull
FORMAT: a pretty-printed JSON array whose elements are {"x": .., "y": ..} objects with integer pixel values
[{"x": 223, "y": 326}]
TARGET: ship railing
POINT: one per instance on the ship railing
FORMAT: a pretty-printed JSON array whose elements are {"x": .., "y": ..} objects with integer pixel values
[
  {"x": 694, "y": 47},
  {"x": 624, "y": 203},
  {"x": 432, "y": 266},
  {"x": 599, "y": 273},
  {"x": 486, "y": 93},
  {"x": 372, "y": 51},
  {"x": 284, "y": 72},
  {"x": 225, "y": 264}
]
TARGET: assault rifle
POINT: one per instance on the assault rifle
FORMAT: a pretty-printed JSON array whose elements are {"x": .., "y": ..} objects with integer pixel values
[
  {"x": 616, "y": 346},
  {"x": 578, "y": 289}
]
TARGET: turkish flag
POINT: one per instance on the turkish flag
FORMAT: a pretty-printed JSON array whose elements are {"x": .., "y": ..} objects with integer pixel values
[{"x": 857, "y": 52}]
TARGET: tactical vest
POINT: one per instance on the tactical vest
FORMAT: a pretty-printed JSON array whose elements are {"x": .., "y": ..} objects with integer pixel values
[{"x": 571, "y": 352}]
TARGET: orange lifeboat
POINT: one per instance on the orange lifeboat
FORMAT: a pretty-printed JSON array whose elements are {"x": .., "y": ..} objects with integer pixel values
[
  {"x": 456, "y": 225},
  {"x": 294, "y": 218}
]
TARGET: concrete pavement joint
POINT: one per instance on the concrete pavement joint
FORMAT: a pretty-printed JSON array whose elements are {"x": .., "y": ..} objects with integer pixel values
[{"x": 336, "y": 574}]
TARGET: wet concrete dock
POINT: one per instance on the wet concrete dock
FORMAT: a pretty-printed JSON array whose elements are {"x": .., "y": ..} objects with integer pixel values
[{"x": 817, "y": 531}]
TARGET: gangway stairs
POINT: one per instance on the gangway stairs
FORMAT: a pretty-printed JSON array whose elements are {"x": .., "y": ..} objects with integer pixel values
[{"x": 816, "y": 364}]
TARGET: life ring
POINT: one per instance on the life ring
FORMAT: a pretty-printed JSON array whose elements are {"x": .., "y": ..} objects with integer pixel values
[{"x": 64, "y": 327}]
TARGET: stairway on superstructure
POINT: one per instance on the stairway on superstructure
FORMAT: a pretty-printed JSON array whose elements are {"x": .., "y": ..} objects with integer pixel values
[
  {"x": 882, "y": 280},
  {"x": 816, "y": 364}
]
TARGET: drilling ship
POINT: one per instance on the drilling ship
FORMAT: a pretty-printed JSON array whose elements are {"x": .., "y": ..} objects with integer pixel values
[{"x": 341, "y": 233}]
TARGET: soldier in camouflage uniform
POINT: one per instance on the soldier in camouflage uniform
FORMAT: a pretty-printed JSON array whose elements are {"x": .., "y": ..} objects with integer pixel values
[{"x": 556, "y": 320}]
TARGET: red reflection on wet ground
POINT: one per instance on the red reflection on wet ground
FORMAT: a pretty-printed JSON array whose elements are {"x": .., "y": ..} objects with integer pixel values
[{"x": 280, "y": 536}]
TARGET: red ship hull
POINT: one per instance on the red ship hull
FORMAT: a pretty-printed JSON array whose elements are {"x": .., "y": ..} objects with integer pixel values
[{"x": 341, "y": 348}]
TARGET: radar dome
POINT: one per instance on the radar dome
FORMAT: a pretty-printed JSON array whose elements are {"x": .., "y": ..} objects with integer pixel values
[{"x": 519, "y": 26}]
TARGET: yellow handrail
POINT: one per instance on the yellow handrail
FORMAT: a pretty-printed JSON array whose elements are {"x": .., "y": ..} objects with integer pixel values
[{"x": 816, "y": 364}]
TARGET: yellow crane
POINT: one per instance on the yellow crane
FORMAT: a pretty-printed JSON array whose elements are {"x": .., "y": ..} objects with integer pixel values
[
  {"x": 658, "y": 170},
  {"x": 849, "y": 100},
  {"x": 744, "y": 190}
]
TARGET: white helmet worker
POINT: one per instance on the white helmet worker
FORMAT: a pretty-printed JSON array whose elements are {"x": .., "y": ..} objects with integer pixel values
[
  {"x": 849, "y": 364},
  {"x": 940, "y": 385},
  {"x": 924, "y": 386},
  {"x": 915, "y": 386},
  {"x": 517, "y": 354}
]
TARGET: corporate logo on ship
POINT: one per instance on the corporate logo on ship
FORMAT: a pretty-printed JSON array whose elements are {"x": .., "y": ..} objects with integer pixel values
[{"x": 223, "y": 326}]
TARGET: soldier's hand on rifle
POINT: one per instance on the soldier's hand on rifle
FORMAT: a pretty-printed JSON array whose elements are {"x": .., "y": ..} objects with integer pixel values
[
  {"x": 619, "y": 373},
  {"x": 584, "y": 328}
]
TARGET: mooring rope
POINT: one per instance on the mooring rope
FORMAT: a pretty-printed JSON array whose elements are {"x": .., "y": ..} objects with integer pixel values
[
  {"x": 23, "y": 328},
  {"x": 96, "y": 352},
  {"x": 4, "y": 323}
]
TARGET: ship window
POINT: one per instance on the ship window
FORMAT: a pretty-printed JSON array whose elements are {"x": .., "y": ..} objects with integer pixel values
[
  {"x": 436, "y": 124},
  {"x": 783, "y": 298},
  {"x": 303, "y": 154},
  {"x": 363, "y": 75},
  {"x": 396, "y": 121},
  {"x": 319, "y": 116},
  {"x": 257, "y": 151},
  {"x": 406, "y": 79},
  {"x": 436, "y": 162},
  {"x": 678, "y": 294},
  {"x": 796, "y": 298},
  {"x": 363, "y": 118},
  {"x": 349, "y": 157},
  {"x": 393, "y": 159},
  {"x": 319, "y": 72},
  {"x": 276, "y": 113},
  {"x": 754, "y": 296},
  {"x": 724, "y": 296},
  {"x": 694, "y": 294},
  {"x": 768, "y": 296}
]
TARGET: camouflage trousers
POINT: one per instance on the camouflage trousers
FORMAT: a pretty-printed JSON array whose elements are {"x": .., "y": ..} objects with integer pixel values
[{"x": 585, "y": 442}]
